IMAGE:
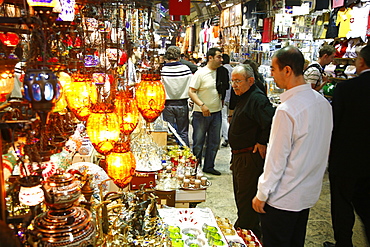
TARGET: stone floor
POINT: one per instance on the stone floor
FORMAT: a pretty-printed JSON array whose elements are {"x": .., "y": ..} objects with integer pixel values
[{"x": 220, "y": 199}]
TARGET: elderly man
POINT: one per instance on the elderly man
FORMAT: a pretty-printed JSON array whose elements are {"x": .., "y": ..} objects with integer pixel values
[
  {"x": 248, "y": 135},
  {"x": 296, "y": 157}
]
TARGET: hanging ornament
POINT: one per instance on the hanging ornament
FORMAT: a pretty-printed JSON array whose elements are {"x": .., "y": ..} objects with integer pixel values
[
  {"x": 150, "y": 97},
  {"x": 80, "y": 95},
  {"x": 102, "y": 127},
  {"x": 121, "y": 164},
  {"x": 6, "y": 81},
  {"x": 9, "y": 39},
  {"x": 127, "y": 112}
]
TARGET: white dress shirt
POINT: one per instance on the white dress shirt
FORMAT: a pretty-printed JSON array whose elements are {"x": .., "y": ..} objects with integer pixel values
[{"x": 297, "y": 152}]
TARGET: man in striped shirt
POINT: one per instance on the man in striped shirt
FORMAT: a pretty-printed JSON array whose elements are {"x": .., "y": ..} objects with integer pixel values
[
  {"x": 176, "y": 78},
  {"x": 314, "y": 74}
]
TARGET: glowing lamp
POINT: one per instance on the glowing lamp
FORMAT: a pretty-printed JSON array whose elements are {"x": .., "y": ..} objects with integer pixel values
[
  {"x": 6, "y": 82},
  {"x": 30, "y": 193},
  {"x": 127, "y": 112},
  {"x": 67, "y": 10},
  {"x": 121, "y": 166},
  {"x": 150, "y": 97},
  {"x": 64, "y": 79},
  {"x": 42, "y": 89},
  {"x": 80, "y": 95},
  {"x": 42, "y": 3},
  {"x": 103, "y": 130},
  {"x": 9, "y": 39}
]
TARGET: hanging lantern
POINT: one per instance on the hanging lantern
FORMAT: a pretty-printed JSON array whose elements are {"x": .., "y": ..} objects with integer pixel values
[
  {"x": 150, "y": 97},
  {"x": 42, "y": 3},
  {"x": 6, "y": 80},
  {"x": 121, "y": 165},
  {"x": 42, "y": 89},
  {"x": 9, "y": 39},
  {"x": 80, "y": 95},
  {"x": 127, "y": 112},
  {"x": 64, "y": 80},
  {"x": 31, "y": 193},
  {"x": 102, "y": 127},
  {"x": 67, "y": 11}
]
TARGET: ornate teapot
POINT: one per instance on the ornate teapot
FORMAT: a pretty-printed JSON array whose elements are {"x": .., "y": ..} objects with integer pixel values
[{"x": 61, "y": 190}]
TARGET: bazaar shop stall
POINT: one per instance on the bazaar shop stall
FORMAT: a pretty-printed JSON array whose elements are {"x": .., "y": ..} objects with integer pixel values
[{"x": 84, "y": 162}]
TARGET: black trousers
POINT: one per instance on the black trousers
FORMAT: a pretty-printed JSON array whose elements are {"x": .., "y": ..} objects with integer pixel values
[
  {"x": 348, "y": 193},
  {"x": 246, "y": 169},
  {"x": 282, "y": 228}
]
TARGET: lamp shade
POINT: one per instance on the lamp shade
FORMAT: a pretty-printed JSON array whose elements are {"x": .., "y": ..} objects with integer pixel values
[
  {"x": 6, "y": 82},
  {"x": 127, "y": 112},
  {"x": 31, "y": 196},
  {"x": 80, "y": 95},
  {"x": 30, "y": 193},
  {"x": 103, "y": 130},
  {"x": 41, "y": 88},
  {"x": 121, "y": 166},
  {"x": 150, "y": 97},
  {"x": 42, "y": 3},
  {"x": 9, "y": 39}
]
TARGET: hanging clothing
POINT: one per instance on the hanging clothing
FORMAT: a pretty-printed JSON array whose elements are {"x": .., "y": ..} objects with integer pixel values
[{"x": 344, "y": 21}]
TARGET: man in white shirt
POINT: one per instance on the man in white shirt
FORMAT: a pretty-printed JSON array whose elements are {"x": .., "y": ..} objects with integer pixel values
[
  {"x": 207, "y": 111},
  {"x": 297, "y": 154}
]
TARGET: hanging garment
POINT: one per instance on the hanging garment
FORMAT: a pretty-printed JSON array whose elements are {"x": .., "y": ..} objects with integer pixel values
[{"x": 344, "y": 21}]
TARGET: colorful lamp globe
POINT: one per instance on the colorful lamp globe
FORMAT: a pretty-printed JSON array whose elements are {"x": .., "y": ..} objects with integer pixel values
[
  {"x": 42, "y": 89},
  {"x": 30, "y": 193},
  {"x": 102, "y": 127},
  {"x": 121, "y": 165},
  {"x": 127, "y": 112},
  {"x": 150, "y": 97},
  {"x": 64, "y": 79},
  {"x": 6, "y": 78},
  {"x": 9, "y": 39},
  {"x": 80, "y": 95}
]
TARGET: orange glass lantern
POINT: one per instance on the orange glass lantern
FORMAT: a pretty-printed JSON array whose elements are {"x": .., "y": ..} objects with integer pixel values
[
  {"x": 121, "y": 165},
  {"x": 150, "y": 97},
  {"x": 65, "y": 80},
  {"x": 80, "y": 95},
  {"x": 102, "y": 127},
  {"x": 6, "y": 81},
  {"x": 127, "y": 112}
]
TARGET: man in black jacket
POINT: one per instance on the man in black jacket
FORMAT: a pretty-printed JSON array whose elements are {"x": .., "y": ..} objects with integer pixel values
[
  {"x": 349, "y": 168},
  {"x": 248, "y": 136}
]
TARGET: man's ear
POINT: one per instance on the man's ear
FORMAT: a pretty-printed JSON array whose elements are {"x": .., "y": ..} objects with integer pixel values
[
  {"x": 288, "y": 70},
  {"x": 251, "y": 81}
]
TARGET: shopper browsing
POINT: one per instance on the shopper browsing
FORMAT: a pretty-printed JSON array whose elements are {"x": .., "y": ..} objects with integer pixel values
[
  {"x": 297, "y": 154},
  {"x": 314, "y": 73},
  {"x": 248, "y": 135},
  {"x": 207, "y": 111},
  {"x": 176, "y": 78}
]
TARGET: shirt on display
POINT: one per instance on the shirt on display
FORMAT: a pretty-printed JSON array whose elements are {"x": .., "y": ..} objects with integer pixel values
[
  {"x": 344, "y": 21},
  {"x": 338, "y": 3},
  {"x": 322, "y": 4},
  {"x": 358, "y": 22}
]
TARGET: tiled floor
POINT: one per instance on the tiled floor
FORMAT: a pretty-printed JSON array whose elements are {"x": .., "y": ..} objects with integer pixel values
[{"x": 220, "y": 199}]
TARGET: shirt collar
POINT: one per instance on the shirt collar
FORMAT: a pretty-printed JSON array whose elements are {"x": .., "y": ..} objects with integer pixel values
[
  {"x": 365, "y": 70},
  {"x": 289, "y": 93}
]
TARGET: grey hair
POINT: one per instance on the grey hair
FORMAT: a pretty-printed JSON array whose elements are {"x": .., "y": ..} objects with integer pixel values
[{"x": 244, "y": 69}]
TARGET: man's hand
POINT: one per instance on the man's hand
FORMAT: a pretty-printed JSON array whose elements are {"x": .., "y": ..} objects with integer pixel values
[
  {"x": 258, "y": 205},
  {"x": 261, "y": 149},
  {"x": 205, "y": 111}
]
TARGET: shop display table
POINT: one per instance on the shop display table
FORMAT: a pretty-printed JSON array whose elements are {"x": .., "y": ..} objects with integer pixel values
[{"x": 192, "y": 227}]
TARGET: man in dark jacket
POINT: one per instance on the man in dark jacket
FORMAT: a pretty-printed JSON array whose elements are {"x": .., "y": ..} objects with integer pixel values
[
  {"x": 349, "y": 169},
  {"x": 248, "y": 136}
]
